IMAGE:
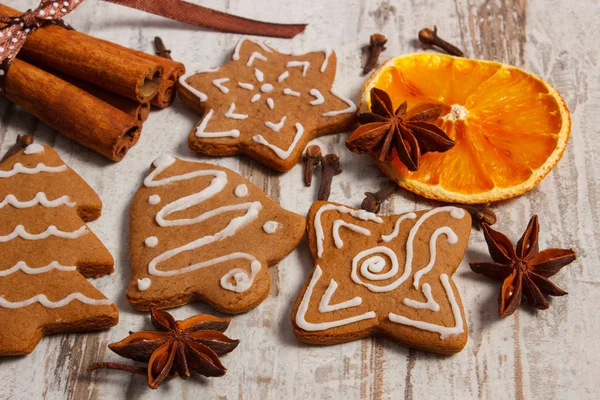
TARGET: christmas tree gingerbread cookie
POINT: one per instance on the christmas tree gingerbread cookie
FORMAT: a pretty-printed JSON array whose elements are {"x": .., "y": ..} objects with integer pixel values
[
  {"x": 200, "y": 232},
  {"x": 47, "y": 251},
  {"x": 265, "y": 104},
  {"x": 389, "y": 276}
]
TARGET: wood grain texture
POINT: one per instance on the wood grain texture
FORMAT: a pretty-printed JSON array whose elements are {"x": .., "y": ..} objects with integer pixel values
[{"x": 531, "y": 355}]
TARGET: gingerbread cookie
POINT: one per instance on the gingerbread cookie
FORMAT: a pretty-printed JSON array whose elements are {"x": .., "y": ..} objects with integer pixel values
[
  {"x": 265, "y": 104},
  {"x": 202, "y": 232},
  {"x": 47, "y": 249},
  {"x": 388, "y": 276}
]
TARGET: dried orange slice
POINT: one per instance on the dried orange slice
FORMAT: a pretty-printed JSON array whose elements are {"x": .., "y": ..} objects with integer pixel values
[{"x": 510, "y": 127}]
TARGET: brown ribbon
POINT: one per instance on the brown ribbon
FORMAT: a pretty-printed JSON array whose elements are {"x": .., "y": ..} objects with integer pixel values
[{"x": 17, "y": 29}]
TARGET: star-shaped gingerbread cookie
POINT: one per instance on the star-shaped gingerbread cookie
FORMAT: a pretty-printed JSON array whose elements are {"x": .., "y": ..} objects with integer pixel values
[
  {"x": 265, "y": 104},
  {"x": 389, "y": 276}
]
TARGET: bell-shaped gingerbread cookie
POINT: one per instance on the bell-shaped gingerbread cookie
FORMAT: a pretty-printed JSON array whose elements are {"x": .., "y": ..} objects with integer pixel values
[{"x": 200, "y": 232}]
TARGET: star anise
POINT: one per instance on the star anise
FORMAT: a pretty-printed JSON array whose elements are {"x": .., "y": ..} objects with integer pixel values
[
  {"x": 524, "y": 270},
  {"x": 175, "y": 348},
  {"x": 412, "y": 133}
]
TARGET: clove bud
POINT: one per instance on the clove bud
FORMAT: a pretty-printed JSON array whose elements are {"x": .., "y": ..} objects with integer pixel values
[
  {"x": 312, "y": 158},
  {"x": 373, "y": 201},
  {"x": 429, "y": 39},
  {"x": 330, "y": 166},
  {"x": 481, "y": 216},
  {"x": 22, "y": 142},
  {"x": 161, "y": 50},
  {"x": 376, "y": 47}
]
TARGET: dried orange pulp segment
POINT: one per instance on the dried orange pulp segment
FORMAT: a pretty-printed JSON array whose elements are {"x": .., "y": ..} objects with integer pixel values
[{"x": 510, "y": 127}]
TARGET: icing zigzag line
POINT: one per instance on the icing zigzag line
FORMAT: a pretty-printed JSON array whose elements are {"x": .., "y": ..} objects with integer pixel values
[
  {"x": 51, "y": 231},
  {"x": 22, "y": 266},
  {"x": 43, "y": 300},
  {"x": 40, "y": 198}
]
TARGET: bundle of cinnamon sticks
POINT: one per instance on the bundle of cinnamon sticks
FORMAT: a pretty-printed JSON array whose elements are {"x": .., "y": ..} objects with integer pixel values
[{"x": 95, "y": 92}]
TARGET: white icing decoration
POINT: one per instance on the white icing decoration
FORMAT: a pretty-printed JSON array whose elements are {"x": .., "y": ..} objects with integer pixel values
[
  {"x": 255, "y": 56},
  {"x": 217, "y": 184},
  {"x": 151, "y": 241},
  {"x": 43, "y": 300},
  {"x": 303, "y": 308},
  {"x": 429, "y": 305},
  {"x": 230, "y": 113},
  {"x": 260, "y": 76},
  {"x": 371, "y": 267},
  {"x": 396, "y": 231},
  {"x": 50, "y": 231},
  {"x": 200, "y": 132},
  {"x": 242, "y": 280},
  {"x": 40, "y": 198},
  {"x": 34, "y": 148},
  {"x": 270, "y": 103},
  {"x": 360, "y": 214},
  {"x": 255, "y": 98},
  {"x": 247, "y": 86},
  {"x": 326, "y": 60},
  {"x": 409, "y": 250},
  {"x": 183, "y": 78},
  {"x": 290, "y": 92},
  {"x": 325, "y": 303},
  {"x": 241, "y": 190},
  {"x": 283, "y": 76},
  {"x": 238, "y": 46},
  {"x": 351, "y": 106},
  {"x": 445, "y": 332},
  {"x": 338, "y": 223},
  {"x": 154, "y": 199},
  {"x": 303, "y": 64},
  {"x": 451, "y": 238},
  {"x": 319, "y": 99},
  {"x": 18, "y": 168},
  {"x": 270, "y": 227},
  {"x": 22, "y": 266},
  {"x": 219, "y": 83},
  {"x": 144, "y": 284},
  {"x": 266, "y": 88},
  {"x": 283, "y": 154},
  {"x": 276, "y": 127}
]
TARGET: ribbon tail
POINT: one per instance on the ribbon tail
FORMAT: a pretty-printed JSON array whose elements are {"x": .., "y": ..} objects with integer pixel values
[{"x": 205, "y": 17}]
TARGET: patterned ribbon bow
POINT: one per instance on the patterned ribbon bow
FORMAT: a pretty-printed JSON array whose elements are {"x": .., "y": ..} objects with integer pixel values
[{"x": 17, "y": 29}]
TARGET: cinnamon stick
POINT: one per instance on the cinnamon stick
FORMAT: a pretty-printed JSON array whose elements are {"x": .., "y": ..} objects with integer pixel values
[
  {"x": 72, "y": 111},
  {"x": 111, "y": 67},
  {"x": 139, "y": 111},
  {"x": 172, "y": 70}
]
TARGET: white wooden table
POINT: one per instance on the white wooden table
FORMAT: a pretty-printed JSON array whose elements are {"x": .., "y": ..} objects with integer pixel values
[{"x": 552, "y": 354}]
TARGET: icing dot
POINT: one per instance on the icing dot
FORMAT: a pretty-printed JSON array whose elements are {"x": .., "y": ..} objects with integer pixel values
[
  {"x": 151, "y": 241},
  {"x": 241, "y": 190},
  {"x": 457, "y": 213},
  {"x": 270, "y": 227},
  {"x": 34, "y": 149},
  {"x": 154, "y": 199},
  {"x": 144, "y": 284},
  {"x": 266, "y": 88}
]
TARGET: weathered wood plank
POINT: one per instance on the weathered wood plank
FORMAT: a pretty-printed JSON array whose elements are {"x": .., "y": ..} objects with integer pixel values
[{"x": 550, "y": 354}]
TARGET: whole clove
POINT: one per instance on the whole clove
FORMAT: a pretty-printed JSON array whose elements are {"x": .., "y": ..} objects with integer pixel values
[
  {"x": 481, "y": 216},
  {"x": 330, "y": 166},
  {"x": 376, "y": 47},
  {"x": 429, "y": 39},
  {"x": 22, "y": 142},
  {"x": 373, "y": 201},
  {"x": 312, "y": 158},
  {"x": 161, "y": 50}
]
